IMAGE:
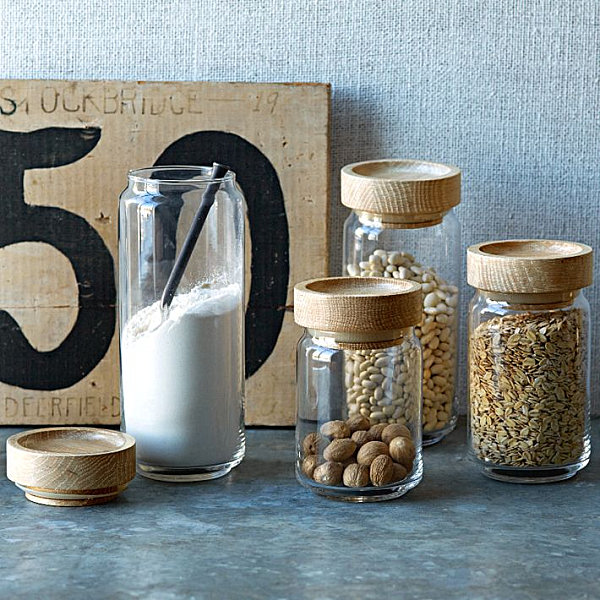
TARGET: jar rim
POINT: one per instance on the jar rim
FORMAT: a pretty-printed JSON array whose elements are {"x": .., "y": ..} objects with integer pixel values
[
  {"x": 376, "y": 340},
  {"x": 189, "y": 175},
  {"x": 540, "y": 301}
]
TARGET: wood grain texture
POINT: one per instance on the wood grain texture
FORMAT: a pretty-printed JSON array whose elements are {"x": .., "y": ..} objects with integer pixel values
[
  {"x": 70, "y": 465},
  {"x": 136, "y": 122},
  {"x": 362, "y": 309},
  {"x": 530, "y": 266},
  {"x": 409, "y": 190}
]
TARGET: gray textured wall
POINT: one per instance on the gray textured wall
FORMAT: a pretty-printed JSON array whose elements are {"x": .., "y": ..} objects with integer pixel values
[{"x": 507, "y": 90}]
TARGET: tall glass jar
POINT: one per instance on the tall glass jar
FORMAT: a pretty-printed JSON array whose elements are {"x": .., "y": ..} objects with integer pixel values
[
  {"x": 359, "y": 354},
  {"x": 529, "y": 341},
  {"x": 402, "y": 226},
  {"x": 182, "y": 366}
]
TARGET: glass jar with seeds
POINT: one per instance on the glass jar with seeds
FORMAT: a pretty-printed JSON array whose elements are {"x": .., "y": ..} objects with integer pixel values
[
  {"x": 402, "y": 226},
  {"x": 529, "y": 341},
  {"x": 359, "y": 341}
]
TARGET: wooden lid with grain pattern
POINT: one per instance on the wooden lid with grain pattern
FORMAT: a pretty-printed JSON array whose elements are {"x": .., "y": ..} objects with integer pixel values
[
  {"x": 410, "y": 188},
  {"x": 357, "y": 305},
  {"x": 529, "y": 266},
  {"x": 70, "y": 466}
]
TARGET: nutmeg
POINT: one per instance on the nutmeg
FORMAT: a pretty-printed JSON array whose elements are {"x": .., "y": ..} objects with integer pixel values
[
  {"x": 377, "y": 430},
  {"x": 361, "y": 437},
  {"x": 394, "y": 430},
  {"x": 382, "y": 470},
  {"x": 329, "y": 473},
  {"x": 335, "y": 429},
  {"x": 339, "y": 450},
  {"x": 311, "y": 443},
  {"x": 370, "y": 451},
  {"x": 358, "y": 423},
  {"x": 402, "y": 450},
  {"x": 309, "y": 464},
  {"x": 400, "y": 472},
  {"x": 356, "y": 475}
]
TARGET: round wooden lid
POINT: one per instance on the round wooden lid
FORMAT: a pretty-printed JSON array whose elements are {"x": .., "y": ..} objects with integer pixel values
[
  {"x": 529, "y": 266},
  {"x": 410, "y": 188},
  {"x": 70, "y": 466},
  {"x": 357, "y": 305}
]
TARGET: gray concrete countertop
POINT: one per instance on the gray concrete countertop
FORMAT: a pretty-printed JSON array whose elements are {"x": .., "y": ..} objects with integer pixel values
[{"x": 257, "y": 534}]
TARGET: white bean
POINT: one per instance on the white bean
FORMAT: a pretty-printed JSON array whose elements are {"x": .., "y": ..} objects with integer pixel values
[{"x": 437, "y": 336}]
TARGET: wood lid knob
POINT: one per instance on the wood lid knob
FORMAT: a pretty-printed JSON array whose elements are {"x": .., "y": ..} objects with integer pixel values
[
  {"x": 415, "y": 189},
  {"x": 529, "y": 266}
]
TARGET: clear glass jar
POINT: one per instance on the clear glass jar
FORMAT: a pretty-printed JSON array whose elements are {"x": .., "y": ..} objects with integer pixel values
[
  {"x": 529, "y": 406},
  {"x": 339, "y": 452},
  {"x": 182, "y": 366},
  {"x": 402, "y": 226}
]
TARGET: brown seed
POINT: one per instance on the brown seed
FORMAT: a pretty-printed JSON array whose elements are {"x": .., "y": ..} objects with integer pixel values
[
  {"x": 382, "y": 470},
  {"x": 402, "y": 450},
  {"x": 358, "y": 423},
  {"x": 311, "y": 443},
  {"x": 377, "y": 430},
  {"x": 370, "y": 451},
  {"x": 309, "y": 464},
  {"x": 525, "y": 396},
  {"x": 339, "y": 450},
  {"x": 400, "y": 472},
  {"x": 356, "y": 475},
  {"x": 361, "y": 437},
  {"x": 329, "y": 473},
  {"x": 335, "y": 429},
  {"x": 394, "y": 430}
]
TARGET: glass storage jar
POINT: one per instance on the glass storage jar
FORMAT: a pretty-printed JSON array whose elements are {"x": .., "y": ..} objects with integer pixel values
[
  {"x": 182, "y": 364},
  {"x": 402, "y": 226},
  {"x": 529, "y": 341},
  {"x": 359, "y": 354}
]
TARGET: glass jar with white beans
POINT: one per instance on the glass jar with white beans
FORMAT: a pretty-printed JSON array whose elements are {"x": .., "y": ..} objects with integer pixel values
[{"x": 402, "y": 226}]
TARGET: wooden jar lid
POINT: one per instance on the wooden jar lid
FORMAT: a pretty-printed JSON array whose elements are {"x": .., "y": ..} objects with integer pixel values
[
  {"x": 70, "y": 466},
  {"x": 529, "y": 266},
  {"x": 361, "y": 307},
  {"x": 409, "y": 188}
]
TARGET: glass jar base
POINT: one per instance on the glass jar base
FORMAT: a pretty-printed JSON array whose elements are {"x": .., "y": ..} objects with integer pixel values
[
  {"x": 187, "y": 474},
  {"x": 433, "y": 437},
  {"x": 366, "y": 494},
  {"x": 532, "y": 475}
]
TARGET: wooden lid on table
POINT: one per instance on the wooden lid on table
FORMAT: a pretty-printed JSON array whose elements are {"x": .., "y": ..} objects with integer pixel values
[
  {"x": 362, "y": 308},
  {"x": 413, "y": 189},
  {"x": 529, "y": 266},
  {"x": 70, "y": 466}
]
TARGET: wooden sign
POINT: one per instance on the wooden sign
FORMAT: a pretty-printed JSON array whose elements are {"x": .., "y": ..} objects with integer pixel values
[{"x": 65, "y": 149}]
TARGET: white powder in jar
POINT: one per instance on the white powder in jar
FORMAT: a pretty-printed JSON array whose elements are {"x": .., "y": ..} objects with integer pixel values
[{"x": 182, "y": 379}]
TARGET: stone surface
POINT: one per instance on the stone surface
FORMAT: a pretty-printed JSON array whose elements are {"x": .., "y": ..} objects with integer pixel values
[{"x": 257, "y": 534}]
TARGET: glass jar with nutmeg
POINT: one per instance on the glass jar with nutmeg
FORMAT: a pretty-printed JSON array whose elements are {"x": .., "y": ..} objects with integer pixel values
[{"x": 359, "y": 355}]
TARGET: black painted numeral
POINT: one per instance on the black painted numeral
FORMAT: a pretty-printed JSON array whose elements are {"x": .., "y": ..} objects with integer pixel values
[{"x": 86, "y": 344}]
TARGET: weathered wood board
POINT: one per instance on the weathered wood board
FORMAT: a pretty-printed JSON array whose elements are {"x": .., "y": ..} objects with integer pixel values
[{"x": 65, "y": 149}]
